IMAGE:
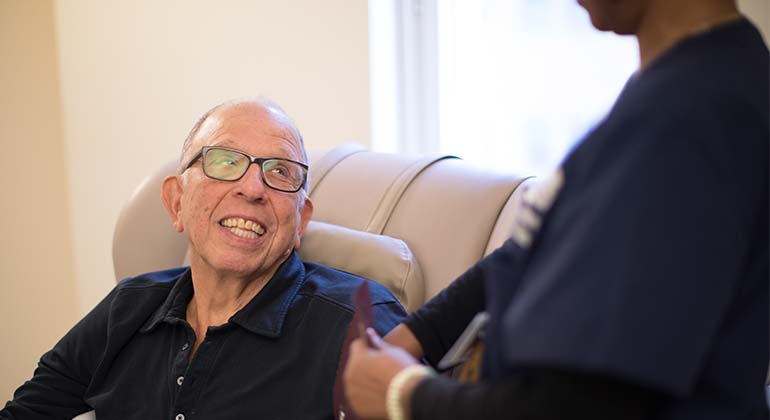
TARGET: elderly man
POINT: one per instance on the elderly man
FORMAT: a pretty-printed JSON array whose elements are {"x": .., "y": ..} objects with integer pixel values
[{"x": 248, "y": 330}]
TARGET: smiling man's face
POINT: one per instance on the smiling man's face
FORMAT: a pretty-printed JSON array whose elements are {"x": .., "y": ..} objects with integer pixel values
[{"x": 241, "y": 228}]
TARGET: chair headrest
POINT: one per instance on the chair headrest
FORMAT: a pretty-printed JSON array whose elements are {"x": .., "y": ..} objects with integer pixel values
[{"x": 381, "y": 258}]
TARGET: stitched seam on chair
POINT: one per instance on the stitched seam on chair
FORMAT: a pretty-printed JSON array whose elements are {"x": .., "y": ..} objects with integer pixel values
[
  {"x": 399, "y": 185},
  {"x": 330, "y": 160},
  {"x": 401, "y": 182},
  {"x": 500, "y": 212},
  {"x": 407, "y": 261}
]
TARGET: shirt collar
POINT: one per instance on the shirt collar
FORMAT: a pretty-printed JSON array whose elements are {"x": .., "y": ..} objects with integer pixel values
[
  {"x": 263, "y": 315},
  {"x": 267, "y": 311},
  {"x": 174, "y": 308}
]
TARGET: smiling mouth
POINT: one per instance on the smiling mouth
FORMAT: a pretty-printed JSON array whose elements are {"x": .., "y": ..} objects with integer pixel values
[{"x": 248, "y": 229}]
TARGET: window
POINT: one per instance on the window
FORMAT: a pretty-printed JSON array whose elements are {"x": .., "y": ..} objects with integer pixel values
[{"x": 509, "y": 84}]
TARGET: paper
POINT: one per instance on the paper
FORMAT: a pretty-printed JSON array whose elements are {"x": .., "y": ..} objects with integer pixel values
[{"x": 458, "y": 353}]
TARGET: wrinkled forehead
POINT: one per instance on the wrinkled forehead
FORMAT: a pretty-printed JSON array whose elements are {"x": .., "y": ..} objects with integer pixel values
[{"x": 252, "y": 127}]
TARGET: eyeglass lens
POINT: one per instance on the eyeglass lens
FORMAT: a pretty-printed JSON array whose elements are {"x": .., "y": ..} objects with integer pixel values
[{"x": 230, "y": 165}]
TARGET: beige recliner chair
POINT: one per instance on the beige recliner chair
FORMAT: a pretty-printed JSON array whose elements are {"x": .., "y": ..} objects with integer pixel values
[{"x": 412, "y": 223}]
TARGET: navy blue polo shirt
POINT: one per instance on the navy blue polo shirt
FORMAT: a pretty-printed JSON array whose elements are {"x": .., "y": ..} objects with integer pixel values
[{"x": 274, "y": 359}]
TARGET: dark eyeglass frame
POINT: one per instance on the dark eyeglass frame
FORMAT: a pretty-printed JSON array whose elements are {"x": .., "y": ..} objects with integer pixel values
[{"x": 252, "y": 160}]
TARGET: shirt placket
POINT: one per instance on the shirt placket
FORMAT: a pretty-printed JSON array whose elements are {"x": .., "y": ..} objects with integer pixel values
[{"x": 189, "y": 379}]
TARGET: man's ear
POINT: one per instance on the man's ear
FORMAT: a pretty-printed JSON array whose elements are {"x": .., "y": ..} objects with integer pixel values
[
  {"x": 171, "y": 194},
  {"x": 305, "y": 214}
]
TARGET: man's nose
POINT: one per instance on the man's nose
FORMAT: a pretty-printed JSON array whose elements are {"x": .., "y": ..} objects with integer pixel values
[{"x": 251, "y": 186}]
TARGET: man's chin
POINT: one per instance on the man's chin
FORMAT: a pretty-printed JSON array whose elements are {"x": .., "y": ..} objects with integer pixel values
[
  {"x": 248, "y": 269},
  {"x": 237, "y": 263},
  {"x": 245, "y": 270}
]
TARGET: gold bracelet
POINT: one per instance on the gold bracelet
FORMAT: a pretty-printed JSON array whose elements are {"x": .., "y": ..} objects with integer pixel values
[{"x": 396, "y": 386}]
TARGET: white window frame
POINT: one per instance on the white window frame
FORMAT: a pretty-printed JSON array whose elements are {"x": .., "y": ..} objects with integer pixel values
[
  {"x": 403, "y": 75},
  {"x": 425, "y": 101}
]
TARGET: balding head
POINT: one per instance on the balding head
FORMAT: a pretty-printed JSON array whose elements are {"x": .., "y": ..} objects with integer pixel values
[{"x": 210, "y": 122}]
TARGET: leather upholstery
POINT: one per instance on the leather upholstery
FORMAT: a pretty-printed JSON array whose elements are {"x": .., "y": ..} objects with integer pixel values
[{"x": 448, "y": 214}]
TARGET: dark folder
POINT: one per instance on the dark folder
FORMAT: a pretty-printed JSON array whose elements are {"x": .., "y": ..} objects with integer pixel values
[{"x": 362, "y": 319}]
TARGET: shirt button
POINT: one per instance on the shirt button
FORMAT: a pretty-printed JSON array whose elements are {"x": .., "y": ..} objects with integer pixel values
[
  {"x": 185, "y": 346},
  {"x": 179, "y": 416},
  {"x": 179, "y": 380}
]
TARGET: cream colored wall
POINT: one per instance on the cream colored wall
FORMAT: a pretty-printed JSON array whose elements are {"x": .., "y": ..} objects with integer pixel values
[
  {"x": 38, "y": 300},
  {"x": 135, "y": 75}
]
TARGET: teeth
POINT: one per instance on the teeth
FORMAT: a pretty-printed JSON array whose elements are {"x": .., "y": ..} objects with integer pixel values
[
  {"x": 244, "y": 228},
  {"x": 244, "y": 233}
]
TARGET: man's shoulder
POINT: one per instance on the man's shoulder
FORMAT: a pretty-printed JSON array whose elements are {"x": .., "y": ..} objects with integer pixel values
[
  {"x": 154, "y": 280},
  {"x": 132, "y": 301},
  {"x": 337, "y": 287}
]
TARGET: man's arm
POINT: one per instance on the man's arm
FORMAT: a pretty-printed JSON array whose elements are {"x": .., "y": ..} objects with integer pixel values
[
  {"x": 402, "y": 336},
  {"x": 53, "y": 392},
  {"x": 541, "y": 394},
  {"x": 61, "y": 379},
  {"x": 529, "y": 393}
]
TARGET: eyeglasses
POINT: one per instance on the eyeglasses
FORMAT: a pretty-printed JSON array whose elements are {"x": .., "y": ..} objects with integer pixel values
[{"x": 225, "y": 164}]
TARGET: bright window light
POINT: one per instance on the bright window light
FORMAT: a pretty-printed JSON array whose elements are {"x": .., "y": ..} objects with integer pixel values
[{"x": 519, "y": 81}]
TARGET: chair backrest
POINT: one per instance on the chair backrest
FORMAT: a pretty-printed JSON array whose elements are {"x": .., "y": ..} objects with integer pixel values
[{"x": 413, "y": 223}]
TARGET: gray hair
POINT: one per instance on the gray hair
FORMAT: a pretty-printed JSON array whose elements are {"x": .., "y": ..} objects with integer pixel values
[{"x": 260, "y": 100}]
